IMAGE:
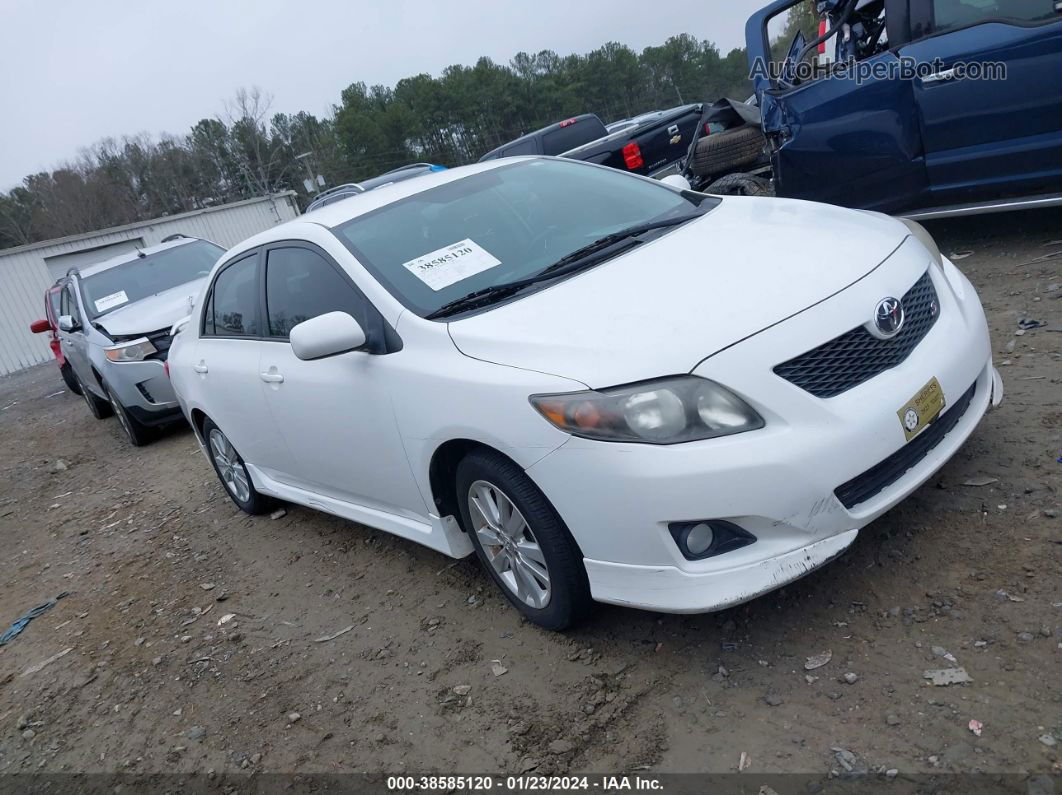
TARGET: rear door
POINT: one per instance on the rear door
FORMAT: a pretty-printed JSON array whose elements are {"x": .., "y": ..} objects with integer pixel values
[
  {"x": 334, "y": 413},
  {"x": 998, "y": 130},
  {"x": 225, "y": 363}
]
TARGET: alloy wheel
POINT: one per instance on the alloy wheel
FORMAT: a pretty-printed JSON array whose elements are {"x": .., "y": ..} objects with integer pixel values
[
  {"x": 509, "y": 544},
  {"x": 230, "y": 467},
  {"x": 119, "y": 412}
]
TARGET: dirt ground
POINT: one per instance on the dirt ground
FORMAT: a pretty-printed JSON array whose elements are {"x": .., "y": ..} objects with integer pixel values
[{"x": 154, "y": 556}]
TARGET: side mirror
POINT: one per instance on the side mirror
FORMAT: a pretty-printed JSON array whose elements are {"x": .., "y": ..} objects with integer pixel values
[
  {"x": 326, "y": 335},
  {"x": 676, "y": 181},
  {"x": 66, "y": 323},
  {"x": 40, "y": 326}
]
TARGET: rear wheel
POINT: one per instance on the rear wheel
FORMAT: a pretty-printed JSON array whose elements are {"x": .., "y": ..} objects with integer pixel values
[
  {"x": 67, "y": 372},
  {"x": 233, "y": 472},
  {"x": 521, "y": 541},
  {"x": 136, "y": 432},
  {"x": 98, "y": 407},
  {"x": 729, "y": 150}
]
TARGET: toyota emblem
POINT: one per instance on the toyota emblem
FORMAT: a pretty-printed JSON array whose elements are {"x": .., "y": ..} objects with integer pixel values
[{"x": 888, "y": 318}]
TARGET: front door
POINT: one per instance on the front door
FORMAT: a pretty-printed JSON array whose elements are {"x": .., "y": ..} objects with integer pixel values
[
  {"x": 334, "y": 413},
  {"x": 988, "y": 135},
  {"x": 226, "y": 361},
  {"x": 74, "y": 344}
]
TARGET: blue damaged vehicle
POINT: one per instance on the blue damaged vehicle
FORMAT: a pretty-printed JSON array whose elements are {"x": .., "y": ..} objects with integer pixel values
[
  {"x": 925, "y": 108},
  {"x": 115, "y": 328}
]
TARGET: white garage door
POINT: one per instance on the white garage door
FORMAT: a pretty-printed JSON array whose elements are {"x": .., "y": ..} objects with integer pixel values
[{"x": 61, "y": 263}]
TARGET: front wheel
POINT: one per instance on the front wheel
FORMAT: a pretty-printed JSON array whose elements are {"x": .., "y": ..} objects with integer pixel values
[
  {"x": 98, "y": 407},
  {"x": 136, "y": 432},
  {"x": 233, "y": 472},
  {"x": 522, "y": 542},
  {"x": 67, "y": 372}
]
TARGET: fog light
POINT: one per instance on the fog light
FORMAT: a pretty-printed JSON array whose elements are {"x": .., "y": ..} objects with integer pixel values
[
  {"x": 707, "y": 538},
  {"x": 699, "y": 538}
]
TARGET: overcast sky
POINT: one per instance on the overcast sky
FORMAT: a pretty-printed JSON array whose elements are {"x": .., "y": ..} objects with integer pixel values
[{"x": 73, "y": 72}]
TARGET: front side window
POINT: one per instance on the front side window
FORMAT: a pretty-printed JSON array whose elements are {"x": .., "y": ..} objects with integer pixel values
[
  {"x": 951, "y": 14},
  {"x": 232, "y": 308},
  {"x": 67, "y": 304},
  {"x": 500, "y": 226},
  {"x": 148, "y": 275},
  {"x": 301, "y": 284}
]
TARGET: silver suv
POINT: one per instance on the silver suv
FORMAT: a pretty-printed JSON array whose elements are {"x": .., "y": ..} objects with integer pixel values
[{"x": 114, "y": 329}]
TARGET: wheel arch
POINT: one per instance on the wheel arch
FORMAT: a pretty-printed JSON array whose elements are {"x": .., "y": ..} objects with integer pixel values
[{"x": 442, "y": 473}]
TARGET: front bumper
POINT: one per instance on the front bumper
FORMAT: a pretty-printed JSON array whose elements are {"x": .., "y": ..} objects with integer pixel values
[
  {"x": 143, "y": 388},
  {"x": 777, "y": 483}
]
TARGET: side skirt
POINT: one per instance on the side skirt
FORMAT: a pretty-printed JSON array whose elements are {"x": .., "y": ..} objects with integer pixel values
[{"x": 439, "y": 533}]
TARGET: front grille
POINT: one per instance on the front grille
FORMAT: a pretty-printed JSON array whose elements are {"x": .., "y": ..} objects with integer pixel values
[
  {"x": 857, "y": 356},
  {"x": 882, "y": 475}
]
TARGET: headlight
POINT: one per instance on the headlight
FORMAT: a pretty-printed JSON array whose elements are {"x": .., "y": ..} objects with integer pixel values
[
  {"x": 667, "y": 411},
  {"x": 135, "y": 351},
  {"x": 921, "y": 234}
]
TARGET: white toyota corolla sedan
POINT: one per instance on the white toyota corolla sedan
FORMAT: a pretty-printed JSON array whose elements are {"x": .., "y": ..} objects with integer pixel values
[{"x": 606, "y": 387}]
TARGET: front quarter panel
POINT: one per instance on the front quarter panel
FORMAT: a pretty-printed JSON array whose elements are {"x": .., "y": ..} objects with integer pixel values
[{"x": 441, "y": 395}]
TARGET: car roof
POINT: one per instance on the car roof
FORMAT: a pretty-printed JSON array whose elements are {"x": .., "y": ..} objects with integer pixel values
[
  {"x": 129, "y": 256},
  {"x": 332, "y": 215},
  {"x": 541, "y": 131}
]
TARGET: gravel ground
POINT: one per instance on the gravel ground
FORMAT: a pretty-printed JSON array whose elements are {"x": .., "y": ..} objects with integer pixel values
[{"x": 434, "y": 672}]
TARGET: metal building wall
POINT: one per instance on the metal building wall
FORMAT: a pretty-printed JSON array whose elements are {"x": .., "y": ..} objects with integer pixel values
[{"x": 24, "y": 275}]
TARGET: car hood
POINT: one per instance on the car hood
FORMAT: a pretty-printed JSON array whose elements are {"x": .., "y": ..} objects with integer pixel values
[
  {"x": 155, "y": 312},
  {"x": 664, "y": 306}
]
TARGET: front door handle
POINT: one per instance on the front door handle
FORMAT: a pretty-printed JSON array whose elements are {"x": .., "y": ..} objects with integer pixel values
[
  {"x": 200, "y": 368},
  {"x": 936, "y": 77},
  {"x": 272, "y": 377}
]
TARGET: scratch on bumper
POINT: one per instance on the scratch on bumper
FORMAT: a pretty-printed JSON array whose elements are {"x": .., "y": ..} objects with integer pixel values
[{"x": 673, "y": 590}]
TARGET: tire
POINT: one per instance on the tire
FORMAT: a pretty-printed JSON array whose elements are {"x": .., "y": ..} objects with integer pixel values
[
  {"x": 741, "y": 185},
  {"x": 728, "y": 150},
  {"x": 98, "y": 407},
  {"x": 536, "y": 535},
  {"x": 67, "y": 372},
  {"x": 239, "y": 487},
  {"x": 137, "y": 433}
]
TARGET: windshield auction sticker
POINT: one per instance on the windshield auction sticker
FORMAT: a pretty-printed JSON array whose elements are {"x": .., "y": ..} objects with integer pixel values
[
  {"x": 111, "y": 301},
  {"x": 445, "y": 266}
]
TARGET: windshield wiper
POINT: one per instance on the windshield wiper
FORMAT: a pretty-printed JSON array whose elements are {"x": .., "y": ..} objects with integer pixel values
[{"x": 580, "y": 259}]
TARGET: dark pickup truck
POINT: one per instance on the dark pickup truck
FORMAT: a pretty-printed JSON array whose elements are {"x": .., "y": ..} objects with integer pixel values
[
  {"x": 654, "y": 148},
  {"x": 925, "y": 108}
]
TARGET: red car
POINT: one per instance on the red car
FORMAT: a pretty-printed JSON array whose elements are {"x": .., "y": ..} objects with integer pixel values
[{"x": 50, "y": 325}]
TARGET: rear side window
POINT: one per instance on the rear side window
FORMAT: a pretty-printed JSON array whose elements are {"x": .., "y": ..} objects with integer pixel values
[
  {"x": 526, "y": 147},
  {"x": 232, "y": 308},
  {"x": 301, "y": 284},
  {"x": 579, "y": 132},
  {"x": 951, "y": 14}
]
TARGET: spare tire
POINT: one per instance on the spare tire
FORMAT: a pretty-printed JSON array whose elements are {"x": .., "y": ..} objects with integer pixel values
[
  {"x": 741, "y": 185},
  {"x": 726, "y": 151}
]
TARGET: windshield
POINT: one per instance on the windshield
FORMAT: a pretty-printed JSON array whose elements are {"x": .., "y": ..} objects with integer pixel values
[
  {"x": 500, "y": 226},
  {"x": 146, "y": 276}
]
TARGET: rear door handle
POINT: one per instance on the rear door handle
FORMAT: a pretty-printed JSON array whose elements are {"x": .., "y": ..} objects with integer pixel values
[
  {"x": 272, "y": 377},
  {"x": 200, "y": 368},
  {"x": 936, "y": 77}
]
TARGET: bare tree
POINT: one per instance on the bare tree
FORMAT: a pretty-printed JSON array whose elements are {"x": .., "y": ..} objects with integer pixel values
[{"x": 258, "y": 157}]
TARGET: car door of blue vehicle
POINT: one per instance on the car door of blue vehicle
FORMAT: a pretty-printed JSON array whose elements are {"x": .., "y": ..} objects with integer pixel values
[
  {"x": 989, "y": 135},
  {"x": 851, "y": 139}
]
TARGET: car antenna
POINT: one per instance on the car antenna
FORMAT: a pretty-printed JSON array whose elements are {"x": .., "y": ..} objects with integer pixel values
[{"x": 139, "y": 253}]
